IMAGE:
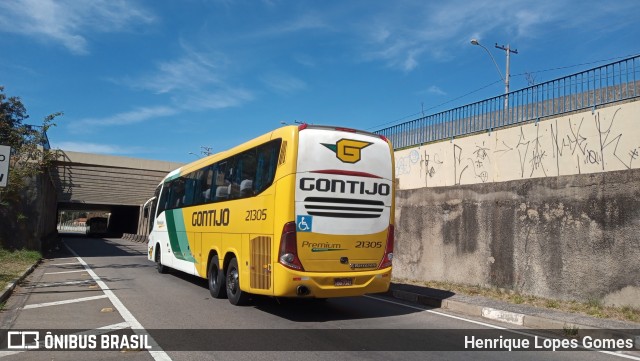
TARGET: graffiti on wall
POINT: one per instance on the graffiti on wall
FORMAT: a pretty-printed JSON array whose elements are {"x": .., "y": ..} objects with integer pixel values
[{"x": 589, "y": 142}]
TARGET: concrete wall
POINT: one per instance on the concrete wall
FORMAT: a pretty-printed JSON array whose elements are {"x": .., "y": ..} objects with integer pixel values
[
  {"x": 106, "y": 179},
  {"x": 603, "y": 140},
  {"x": 550, "y": 209},
  {"x": 36, "y": 229}
]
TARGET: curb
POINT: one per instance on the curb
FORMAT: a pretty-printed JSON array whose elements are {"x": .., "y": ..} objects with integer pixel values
[
  {"x": 512, "y": 318},
  {"x": 6, "y": 293},
  {"x": 140, "y": 238}
]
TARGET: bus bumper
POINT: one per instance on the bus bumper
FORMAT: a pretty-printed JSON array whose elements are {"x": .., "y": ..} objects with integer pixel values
[{"x": 290, "y": 283}]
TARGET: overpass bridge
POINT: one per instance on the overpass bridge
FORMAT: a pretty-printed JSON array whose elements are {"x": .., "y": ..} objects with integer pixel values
[{"x": 105, "y": 183}]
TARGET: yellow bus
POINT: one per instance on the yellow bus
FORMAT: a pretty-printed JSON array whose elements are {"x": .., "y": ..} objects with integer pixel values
[{"x": 302, "y": 211}]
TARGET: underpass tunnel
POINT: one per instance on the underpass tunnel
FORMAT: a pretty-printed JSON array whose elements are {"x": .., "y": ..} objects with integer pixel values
[
  {"x": 124, "y": 219},
  {"x": 114, "y": 185},
  {"x": 98, "y": 220}
]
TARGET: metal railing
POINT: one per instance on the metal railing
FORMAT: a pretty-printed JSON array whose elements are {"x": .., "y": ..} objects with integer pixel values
[{"x": 588, "y": 89}]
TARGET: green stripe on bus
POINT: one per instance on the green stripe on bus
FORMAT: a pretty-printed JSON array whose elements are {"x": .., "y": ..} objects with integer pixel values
[{"x": 178, "y": 235}]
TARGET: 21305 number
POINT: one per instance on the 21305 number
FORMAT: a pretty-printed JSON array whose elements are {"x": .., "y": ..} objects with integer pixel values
[
  {"x": 256, "y": 215},
  {"x": 367, "y": 244}
]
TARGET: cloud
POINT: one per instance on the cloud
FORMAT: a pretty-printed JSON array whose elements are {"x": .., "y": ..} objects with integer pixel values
[
  {"x": 411, "y": 32},
  {"x": 283, "y": 83},
  {"x": 67, "y": 21},
  {"x": 135, "y": 116},
  {"x": 304, "y": 22},
  {"x": 190, "y": 72},
  {"x": 218, "y": 99},
  {"x": 86, "y": 147},
  {"x": 435, "y": 90},
  {"x": 192, "y": 82}
]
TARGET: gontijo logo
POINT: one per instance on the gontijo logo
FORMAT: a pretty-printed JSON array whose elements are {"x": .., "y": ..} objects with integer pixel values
[{"x": 348, "y": 150}]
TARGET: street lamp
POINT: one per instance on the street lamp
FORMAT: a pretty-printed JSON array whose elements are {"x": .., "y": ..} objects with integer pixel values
[{"x": 505, "y": 78}]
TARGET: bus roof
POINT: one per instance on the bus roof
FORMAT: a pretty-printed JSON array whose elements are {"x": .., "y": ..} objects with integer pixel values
[{"x": 286, "y": 131}]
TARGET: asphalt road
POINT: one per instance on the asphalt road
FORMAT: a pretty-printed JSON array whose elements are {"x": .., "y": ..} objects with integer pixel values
[{"x": 106, "y": 284}]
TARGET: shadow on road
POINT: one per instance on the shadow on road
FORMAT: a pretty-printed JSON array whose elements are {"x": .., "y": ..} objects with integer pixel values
[{"x": 295, "y": 310}]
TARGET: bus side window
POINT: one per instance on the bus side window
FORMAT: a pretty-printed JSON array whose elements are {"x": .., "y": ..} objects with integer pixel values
[
  {"x": 233, "y": 177},
  {"x": 177, "y": 193},
  {"x": 266, "y": 165},
  {"x": 191, "y": 185},
  {"x": 221, "y": 184},
  {"x": 164, "y": 198},
  {"x": 247, "y": 165},
  {"x": 152, "y": 210},
  {"x": 205, "y": 181}
]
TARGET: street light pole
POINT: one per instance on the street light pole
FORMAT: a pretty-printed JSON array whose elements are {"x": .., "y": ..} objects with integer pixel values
[{"x": 505, "y": 78}]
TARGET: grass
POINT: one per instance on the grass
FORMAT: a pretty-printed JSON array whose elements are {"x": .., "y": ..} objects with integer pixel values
[
  {"x": 14, "y": 263},
  {"x": 592, "y": 307},
  {"x": 570, "y": 331}
]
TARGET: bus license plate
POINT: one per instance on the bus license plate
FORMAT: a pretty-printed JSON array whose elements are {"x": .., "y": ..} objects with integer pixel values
[{"x": 342, "y": 282}]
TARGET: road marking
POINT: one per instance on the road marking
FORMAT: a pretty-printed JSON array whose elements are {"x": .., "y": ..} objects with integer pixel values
[
  {"x": 56, "y": 284},
  {"x": 504, "y": 316},
  {"x": 56, "y": 303},
  {"x": 157, "y": 353},
  {"x": 496, "y": 327},
  {"x": 61, "y": 272},
  {"x": 64, "y": 264},
  {"x": 438, "y": 313}
]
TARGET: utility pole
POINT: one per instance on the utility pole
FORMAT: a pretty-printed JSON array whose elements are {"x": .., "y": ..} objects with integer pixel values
[{"x": 508, "y": 51}]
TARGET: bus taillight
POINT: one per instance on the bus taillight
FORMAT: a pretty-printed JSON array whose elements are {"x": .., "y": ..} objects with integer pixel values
[
  {"x": 288, "y": 255},
  {"x": 387, "y": 258}
]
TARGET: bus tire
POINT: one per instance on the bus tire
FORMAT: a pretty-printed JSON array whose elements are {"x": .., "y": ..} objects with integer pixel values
[
  {"x": 235, "y": 295},
  {"x": 216, "y": 279},
  {"x": 158, "y": 257}
]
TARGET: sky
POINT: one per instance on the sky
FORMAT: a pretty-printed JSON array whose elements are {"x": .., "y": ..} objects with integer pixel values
[{"x": 169, "y": 80}]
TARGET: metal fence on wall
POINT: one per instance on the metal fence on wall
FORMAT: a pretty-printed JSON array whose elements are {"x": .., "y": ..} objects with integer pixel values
[{"x": 588, "y": 89}]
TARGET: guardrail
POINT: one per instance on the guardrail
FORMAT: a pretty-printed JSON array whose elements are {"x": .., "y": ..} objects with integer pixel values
[
  {"x": 75, "y": 227},
  {"x": 588, "y": 89}
]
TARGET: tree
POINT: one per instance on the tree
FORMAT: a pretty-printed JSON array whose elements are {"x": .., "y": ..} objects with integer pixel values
[{"x": 30, "y": 155}]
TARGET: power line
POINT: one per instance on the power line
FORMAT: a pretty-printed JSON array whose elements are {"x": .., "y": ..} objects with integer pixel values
[
  {"x": 488, "y": 85},
  {"x": 573, "y": 66},
  {"x": 436, "y": 106}
]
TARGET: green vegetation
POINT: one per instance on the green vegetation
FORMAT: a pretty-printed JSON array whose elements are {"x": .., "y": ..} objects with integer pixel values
[
  {"x": 571, "y": 331},
  {"x": 29, "y": 158},
  {"x": 14, "y": 263},
  {"x": 593, "y": 307}
]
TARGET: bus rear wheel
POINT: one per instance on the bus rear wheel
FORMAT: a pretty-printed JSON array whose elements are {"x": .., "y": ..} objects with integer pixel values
[
  {"x": 216, "y": 279},
  {"x": 235, "y": 295}
]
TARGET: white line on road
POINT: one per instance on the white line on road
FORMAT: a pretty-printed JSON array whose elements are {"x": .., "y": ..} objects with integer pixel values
[
  {"x": 65, "y": 264},
  {"x": 56, "y": 303},
  {"x": 494, "y": 326},
  {"x": 438, "y": 313},
  {"x": 158, "y": 353}
]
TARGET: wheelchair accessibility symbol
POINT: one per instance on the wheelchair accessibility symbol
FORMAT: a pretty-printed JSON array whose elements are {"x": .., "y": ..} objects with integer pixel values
[{"x": 304, "y": 223}]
